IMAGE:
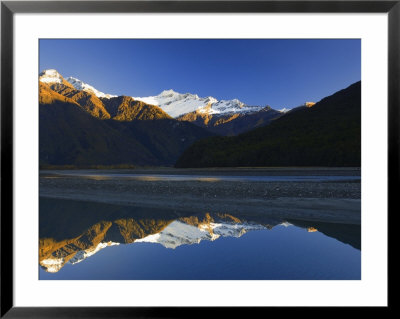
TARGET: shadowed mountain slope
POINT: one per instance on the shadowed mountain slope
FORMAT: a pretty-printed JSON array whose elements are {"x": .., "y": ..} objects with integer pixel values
[
  {"x": 78, "y": 128},
  {"x": 70, "y": 136},
  {"x": 326, "y": 134}
]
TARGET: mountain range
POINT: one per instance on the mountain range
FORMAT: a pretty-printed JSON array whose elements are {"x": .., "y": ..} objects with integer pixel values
[
  {"x": 223, "y": 117},
  {"x": 81, "y": 126}
]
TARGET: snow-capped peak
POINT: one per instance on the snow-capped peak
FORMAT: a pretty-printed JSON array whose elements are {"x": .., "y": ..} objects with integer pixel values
[
  {"x": 50, "y": 76},
  {"x": 177, "y": 104},
  {"x": 79, "y": 85},
  {"x": 168, "y": 93}
]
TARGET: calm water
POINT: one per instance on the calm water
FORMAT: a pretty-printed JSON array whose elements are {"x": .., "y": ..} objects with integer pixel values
[
  {"x": 215, "y": 178},
  {"x": 84, "y": 240}
]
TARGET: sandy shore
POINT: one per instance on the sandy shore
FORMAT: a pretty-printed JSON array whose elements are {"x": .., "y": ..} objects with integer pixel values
[{"x": 319, "y": 201}]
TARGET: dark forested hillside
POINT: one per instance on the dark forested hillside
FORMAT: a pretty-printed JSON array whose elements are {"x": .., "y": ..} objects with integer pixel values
[
  {"x": 68, "y": 135},
  {"x": 326, "y": 134}
]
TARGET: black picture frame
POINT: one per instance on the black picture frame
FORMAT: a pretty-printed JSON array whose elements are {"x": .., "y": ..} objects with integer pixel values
[{"x": 9, "y": 8}]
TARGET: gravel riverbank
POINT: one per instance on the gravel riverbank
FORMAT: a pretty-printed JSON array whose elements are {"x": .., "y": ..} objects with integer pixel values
[{"x": 338, "y": 201}]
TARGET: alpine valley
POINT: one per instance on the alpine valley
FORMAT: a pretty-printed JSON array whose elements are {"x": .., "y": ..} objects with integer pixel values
[
  {"x": 201, "y": 160},
  {"x": 80, "y": 126}
]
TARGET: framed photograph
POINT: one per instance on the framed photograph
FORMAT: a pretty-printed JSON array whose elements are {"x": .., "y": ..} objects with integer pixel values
[{"x": 163, "y": 155}]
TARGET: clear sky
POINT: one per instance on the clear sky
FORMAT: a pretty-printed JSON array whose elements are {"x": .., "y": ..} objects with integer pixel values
[{"x": 279, "y": 73}]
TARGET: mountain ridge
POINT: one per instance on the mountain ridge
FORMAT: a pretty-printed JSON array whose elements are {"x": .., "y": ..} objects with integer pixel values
[
  {"x": 98, "y": 104},
  {"x": 188, "y": 102},
  {"x": 224, "y": 117}
]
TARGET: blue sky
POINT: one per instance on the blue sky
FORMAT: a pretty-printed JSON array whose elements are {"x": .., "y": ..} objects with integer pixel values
[{"x": 279, "y": 73}]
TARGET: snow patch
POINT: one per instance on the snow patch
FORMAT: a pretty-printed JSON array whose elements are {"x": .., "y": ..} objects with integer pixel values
[{"x": 79, "y": 85}]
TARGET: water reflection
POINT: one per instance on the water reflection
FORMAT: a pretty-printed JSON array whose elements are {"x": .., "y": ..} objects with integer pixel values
[{"x": 71, "y": 231}]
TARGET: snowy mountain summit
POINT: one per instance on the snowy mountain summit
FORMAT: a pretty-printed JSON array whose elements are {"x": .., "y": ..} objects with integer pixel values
[
  {"x": 177, "y": 104},
  {"x": 52, "y": 76}
]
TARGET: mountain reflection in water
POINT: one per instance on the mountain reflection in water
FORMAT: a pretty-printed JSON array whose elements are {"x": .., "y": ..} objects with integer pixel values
[{"x": 71, "y": 231}]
